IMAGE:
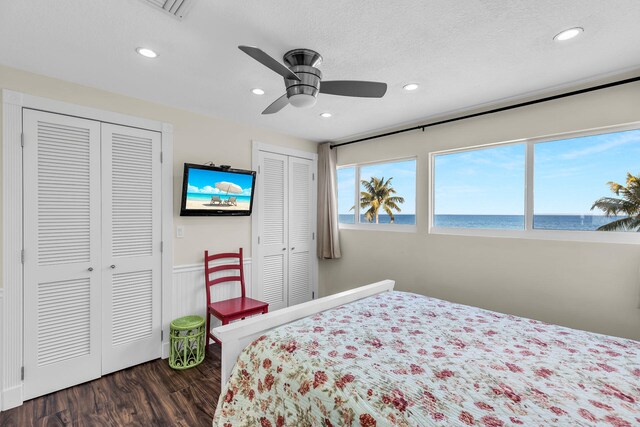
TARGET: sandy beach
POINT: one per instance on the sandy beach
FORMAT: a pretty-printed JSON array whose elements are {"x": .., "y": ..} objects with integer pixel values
[{"x": 199, "y": 204}]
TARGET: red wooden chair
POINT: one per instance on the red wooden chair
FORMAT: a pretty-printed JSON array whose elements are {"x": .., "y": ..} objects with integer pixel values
[{"x": 234, "y": 308}]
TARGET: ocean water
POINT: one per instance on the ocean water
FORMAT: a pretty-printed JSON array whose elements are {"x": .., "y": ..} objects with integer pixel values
[
  {"x": 516, "y": 222},
  {"x": 501, "y": 222},
  {"x": 206, "y": 197},
  {"x": 382, "y": 219}
]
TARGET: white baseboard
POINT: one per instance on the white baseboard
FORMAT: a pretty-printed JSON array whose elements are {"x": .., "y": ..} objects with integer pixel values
[
  {"x": 165, "y": 350},
  {"x": 12, "y": 397}
]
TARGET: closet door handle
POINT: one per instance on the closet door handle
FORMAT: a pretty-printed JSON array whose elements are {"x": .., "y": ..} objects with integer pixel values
[
  {"x": 90, "y": 268},
  {"x": 112, "y": 266},
  {"x": 293, "y": 248},
  {"x": 284, "y": 249}
]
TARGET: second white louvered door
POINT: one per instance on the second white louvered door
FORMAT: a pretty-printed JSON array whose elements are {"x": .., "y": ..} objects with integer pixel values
[
  {"x": 273, "y": 182},
  {"x": 301, "y": 226},
  {"x": 130, "y": 246},
  {"x": 92, "y": 254},
  {"x": 286, "y": 229}
]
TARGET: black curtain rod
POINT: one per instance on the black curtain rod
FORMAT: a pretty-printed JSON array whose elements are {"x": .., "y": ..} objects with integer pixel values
[{"x": 495, "y": 110}]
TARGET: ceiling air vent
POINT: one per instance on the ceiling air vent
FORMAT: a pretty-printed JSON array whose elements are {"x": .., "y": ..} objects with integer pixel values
[{"x": 176, "y": 8}]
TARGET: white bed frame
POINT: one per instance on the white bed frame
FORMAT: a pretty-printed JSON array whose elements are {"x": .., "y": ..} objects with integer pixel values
[{"x": 236, "y": 336}]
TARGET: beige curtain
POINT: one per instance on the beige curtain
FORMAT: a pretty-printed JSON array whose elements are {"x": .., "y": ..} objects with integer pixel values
[{"x": 328, "y": 239}]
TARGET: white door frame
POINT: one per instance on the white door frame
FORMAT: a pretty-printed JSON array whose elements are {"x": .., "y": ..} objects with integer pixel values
[
  {"x": 256, "y": 147},
  {"x": 11, "y": 356}
]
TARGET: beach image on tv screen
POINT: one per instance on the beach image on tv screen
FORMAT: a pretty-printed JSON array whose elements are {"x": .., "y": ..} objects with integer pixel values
[{"x": 218, "y": 190}]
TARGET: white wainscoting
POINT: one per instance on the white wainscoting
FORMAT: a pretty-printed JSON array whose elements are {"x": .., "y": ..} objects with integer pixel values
[{"x": 188, "y": 294}]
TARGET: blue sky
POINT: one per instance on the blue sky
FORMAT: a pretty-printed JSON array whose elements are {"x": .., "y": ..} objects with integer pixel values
[
  {"x": 204, "y": 181},
  {"x": 404, "y": 182},
  {"x": 573, "y": 173},
  {"x": 483, "y": 182},
  {"x": 569, "y": 175}
]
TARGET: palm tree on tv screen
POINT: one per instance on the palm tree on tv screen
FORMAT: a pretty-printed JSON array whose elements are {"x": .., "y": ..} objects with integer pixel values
[
  {"x": 627, "y": 204},
  {"x": 379, "y": 194}
]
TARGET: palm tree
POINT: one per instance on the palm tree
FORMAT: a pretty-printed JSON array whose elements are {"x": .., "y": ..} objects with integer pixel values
[
  {"x": 379, "y": 194},
  {"x": 628, "y": 205}
]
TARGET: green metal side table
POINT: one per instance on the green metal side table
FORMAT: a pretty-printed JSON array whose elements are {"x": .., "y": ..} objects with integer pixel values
[{"x": 187, "y": 340}]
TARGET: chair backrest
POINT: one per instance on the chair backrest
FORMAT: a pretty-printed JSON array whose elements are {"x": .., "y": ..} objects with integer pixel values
[{"x": 208, "y": 270}]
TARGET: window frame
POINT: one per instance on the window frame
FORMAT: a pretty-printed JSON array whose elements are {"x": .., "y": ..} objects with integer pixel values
[
  {"x": 529, "y": 232},
  {"x": 357, "y": 225}
]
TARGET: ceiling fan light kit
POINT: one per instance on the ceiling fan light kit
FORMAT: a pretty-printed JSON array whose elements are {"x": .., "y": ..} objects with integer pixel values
[{"x": 303, "y": 80}]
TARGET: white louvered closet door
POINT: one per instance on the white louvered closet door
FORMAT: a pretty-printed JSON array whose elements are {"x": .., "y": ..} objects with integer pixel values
[
  {"x": 62, "y": 251},
  {"x": 301, "y": 228},
  {"x": 273, "y": 183},
  {"x": 131, "y": 230}
]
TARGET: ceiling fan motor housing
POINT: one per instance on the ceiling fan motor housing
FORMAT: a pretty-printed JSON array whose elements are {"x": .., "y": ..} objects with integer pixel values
[{"x": 303, "y": 62}]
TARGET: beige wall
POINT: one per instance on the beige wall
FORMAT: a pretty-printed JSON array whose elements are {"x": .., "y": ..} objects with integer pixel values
[
  {"x": 197, "y": 139},
  {"x": 590, "y": 286}
]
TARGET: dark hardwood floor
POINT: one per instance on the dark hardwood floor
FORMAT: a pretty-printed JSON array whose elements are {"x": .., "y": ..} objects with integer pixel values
[{"x": 151, "y": 394}]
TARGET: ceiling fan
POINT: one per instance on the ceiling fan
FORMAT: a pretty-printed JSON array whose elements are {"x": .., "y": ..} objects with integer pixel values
[{"x": 303, "y": 79}]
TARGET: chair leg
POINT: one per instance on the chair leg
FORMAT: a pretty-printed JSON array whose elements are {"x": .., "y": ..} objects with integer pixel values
[
  {"x": 208, "y": 334},
  {"x": 216, "y": 340}
]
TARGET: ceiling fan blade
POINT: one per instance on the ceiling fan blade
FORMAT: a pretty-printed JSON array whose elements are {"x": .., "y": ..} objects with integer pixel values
[
  {"x": 357, "y": 88},
  {"x": 266, "y": 60},
  {"x": 277, "y": 105}
]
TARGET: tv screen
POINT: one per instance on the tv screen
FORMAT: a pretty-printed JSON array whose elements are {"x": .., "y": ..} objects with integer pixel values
[{"x": 211, "y": 190}]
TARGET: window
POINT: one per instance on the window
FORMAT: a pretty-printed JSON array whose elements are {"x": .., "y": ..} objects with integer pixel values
[
  {"x": 572, "y": 174},
  {"x": 385, "y": 196},
  {"x": 480, "y": 188},
  {"x": 346, "y": 194},
  {"x": 542, "y": 188}
]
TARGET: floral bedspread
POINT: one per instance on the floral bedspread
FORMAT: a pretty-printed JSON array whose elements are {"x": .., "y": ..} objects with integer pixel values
[{"x": 404, "y": 359}]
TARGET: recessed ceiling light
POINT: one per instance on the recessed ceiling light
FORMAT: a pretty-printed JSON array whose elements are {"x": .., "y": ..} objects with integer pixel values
[
  {"x": 257, "y": 91},
  {"x": 326, "y": 115},
  {"x": 410, "y": 86},
  {"x": 146, "y": 52},
  {"x": 568, "y": 34}
]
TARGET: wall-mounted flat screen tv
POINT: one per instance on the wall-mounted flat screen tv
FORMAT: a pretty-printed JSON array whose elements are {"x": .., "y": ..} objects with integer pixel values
[{"x": 211, "y": 190}]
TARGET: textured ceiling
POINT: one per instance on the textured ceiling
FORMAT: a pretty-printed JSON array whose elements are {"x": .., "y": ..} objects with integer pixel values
[{"x": 463, "y": 53}]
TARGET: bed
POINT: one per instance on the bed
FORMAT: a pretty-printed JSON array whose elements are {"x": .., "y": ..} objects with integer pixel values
[{"x": 395, "y": 358}]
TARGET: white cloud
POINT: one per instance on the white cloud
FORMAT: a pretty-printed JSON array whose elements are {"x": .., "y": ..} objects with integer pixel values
[
  {"x": 204, "y": 190},
  {"x": 616, "y": 141},
  {"x": 555, "y": 173},
  {"x": 488, "y": 161},
  {"x": 456, "y": 190}
]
